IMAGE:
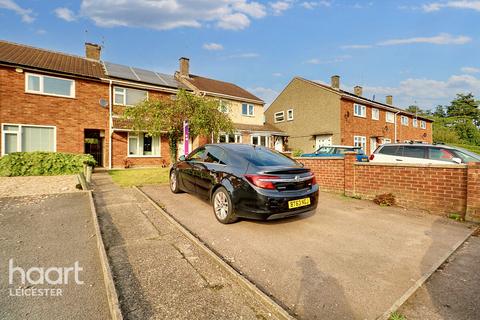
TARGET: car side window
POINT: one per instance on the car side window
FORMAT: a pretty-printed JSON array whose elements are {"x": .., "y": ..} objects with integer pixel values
[
  {"x": 389, "y": 150},
  {"x": 414, "y": 152},
  {"x": 441, "y": 154},
  {"x": 197, "y": 156},
  {"x": 216, "y": 155}
]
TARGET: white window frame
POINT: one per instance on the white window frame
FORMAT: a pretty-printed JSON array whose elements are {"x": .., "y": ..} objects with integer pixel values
[
  {"x": 279, "y": 114},
  {"x": 387, "y": 140},
  {"x": 19, "y": 135},
  {"x": 41, "y": 86},
  {"x": 267, "y": 139},
  {"x": 404, "y": 123},
  {"x": 377, "y": 111},
  {"x": 386, "y": 117},
  {"x": 289, "y": 114},
  {"x": 248, "y": 114},
  {"x": 238, "y": 137},
  {"x": 423, "y": 124},
  {"x": 221, "y": 104},
  {"x": 363, "y": 141},
  {"x": 124, "y": 94},
  {"x": 415, "y": 122},
  {"x": 138, "y": 146},
  {"x": 363, "y": 109}
]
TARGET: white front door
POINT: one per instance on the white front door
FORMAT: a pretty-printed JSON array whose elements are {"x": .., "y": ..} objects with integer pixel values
[
  {"x": 279, "y": 144},
  {"x": 323, "y": 140},
  {"x": 373, "y": 145}
]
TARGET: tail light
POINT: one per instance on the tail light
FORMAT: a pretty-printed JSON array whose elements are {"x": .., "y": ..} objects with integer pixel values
[
  {"x": 372, "y": 156},
  {"x": 314, "y": 180},
  {"x": 262, "y": 181}
]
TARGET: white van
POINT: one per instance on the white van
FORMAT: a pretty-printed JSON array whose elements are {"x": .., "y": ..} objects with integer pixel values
[{"x": 422, "y": 153}]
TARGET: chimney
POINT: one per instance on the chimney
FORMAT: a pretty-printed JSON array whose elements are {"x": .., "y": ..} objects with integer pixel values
[
  {"x": 335, "y": 82},
  {"x": 184, "y": 67},
  {"x": 92, "y": 51},
  {"x": 389, "y": 100},
  {"x": 358, "y": 91}
]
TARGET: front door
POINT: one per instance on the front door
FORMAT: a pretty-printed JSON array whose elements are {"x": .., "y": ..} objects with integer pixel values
[
  {"x": 373, "y": 145},
  {"x": 279, "y": 144},
  {"x": 323, "y": 140},
  {"x": 93, "y": 142}
]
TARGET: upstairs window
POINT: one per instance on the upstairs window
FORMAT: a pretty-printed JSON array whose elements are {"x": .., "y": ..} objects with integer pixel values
[
  {"x": 290, "y": 114},
  {"x": 279, "y": 116},
  {"x": 52, "y": 86},
  {"x": 423, "y": 124},
  {"x": 223, "y": 106},
  {"x": 389, "y": 117},
  {"x": 375, "y": 114},
  {"x": 128, "y": 96},
  {"x": 404, "y": 120},
  {"x": 415, "y": 123},
  {"x": 247, "y": 109},
  {"x": 359, "y": 110}
]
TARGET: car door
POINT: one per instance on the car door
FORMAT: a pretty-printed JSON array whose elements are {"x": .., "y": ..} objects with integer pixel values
[
  {"x": 441, "y": 155},
  {"x": 189, "y": 168},
  {"x": 211, "y": 170},
  {"x": 387, "y": 154},
  {"x": 413, "y": 154}
]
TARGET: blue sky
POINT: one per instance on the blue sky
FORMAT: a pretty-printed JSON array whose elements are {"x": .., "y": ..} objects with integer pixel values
[{"x": 421, "y": 51}]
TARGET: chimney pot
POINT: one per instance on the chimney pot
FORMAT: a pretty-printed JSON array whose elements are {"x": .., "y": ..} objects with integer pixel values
[
  {"x": 335, "y": 82},
  {"x": 92, "y": 51},
  {"x": 358, "y": 90},
  {"x": 184, "y": 67},
  {"x": 389, "y": 100}
]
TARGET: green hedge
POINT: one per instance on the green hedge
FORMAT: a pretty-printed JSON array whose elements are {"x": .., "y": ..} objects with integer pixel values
[{"x": 43, "y": 163}]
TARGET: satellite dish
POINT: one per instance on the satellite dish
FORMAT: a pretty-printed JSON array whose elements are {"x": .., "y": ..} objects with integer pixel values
[{"x": 103, "y": 102}]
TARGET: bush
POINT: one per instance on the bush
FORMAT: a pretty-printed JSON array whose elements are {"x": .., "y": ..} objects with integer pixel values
[
  {"x": 297, "y": 153},
  {"x": 385, "y": 200},
  {"x": 43, "y": 163}
]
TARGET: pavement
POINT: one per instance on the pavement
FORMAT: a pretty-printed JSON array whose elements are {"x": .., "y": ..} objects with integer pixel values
[
  {"x": 350, "y": 259},
  {"x": 44, "y": 232},
  {"x": 453, "y": 291},
  {"x": 158, "y": 272}
]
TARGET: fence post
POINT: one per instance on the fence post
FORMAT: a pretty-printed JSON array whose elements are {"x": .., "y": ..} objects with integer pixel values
[
  {"x": 349, "y": 173},
  {"x": 473, "y": 192}
]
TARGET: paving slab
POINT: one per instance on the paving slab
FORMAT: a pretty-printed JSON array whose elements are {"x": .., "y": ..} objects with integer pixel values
[
  {"x": 158, "y": 272},
  {"x": 44, "y": 232},
  {"x": 350, "y": 259}
]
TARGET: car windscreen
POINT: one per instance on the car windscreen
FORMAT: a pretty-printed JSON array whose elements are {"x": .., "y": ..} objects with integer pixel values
[
  {"x": 389, "y": 150},
  {"x": 466, "y": 158},
  {"x": 262, "y": 157},
  {"x": 326, "y": 150}
]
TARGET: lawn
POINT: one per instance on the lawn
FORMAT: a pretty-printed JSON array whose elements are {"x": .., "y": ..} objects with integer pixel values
[{"x": 139, "y": 177}]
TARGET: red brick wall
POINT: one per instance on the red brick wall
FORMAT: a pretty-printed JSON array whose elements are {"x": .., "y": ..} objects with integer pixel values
[
  {"x": 70, "y": 116},
  {"x": 120, "y": 153},
  {"x": 438, "y": 189},
  {"x": 357, "y": 126}
]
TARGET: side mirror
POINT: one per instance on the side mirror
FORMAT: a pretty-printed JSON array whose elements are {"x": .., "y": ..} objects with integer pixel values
[
  {"x": 182, "y": 158},
  {"x": 457, "y": 160}
]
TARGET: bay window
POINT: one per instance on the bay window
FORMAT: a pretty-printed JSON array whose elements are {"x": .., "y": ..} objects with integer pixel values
[
  {"x": 143, "y": 145},
  {"x": 27, "y": 138}
]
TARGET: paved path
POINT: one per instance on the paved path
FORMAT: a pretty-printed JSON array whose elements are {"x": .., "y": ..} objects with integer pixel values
[
  {"x": 453, "y": 291},
  {"x": 159, "y": 273},
  {"x": 50, "y": 231},
  {"x": 351, "y": 259}
]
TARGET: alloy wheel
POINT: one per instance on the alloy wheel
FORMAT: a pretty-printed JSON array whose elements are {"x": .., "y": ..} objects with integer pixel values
[
  {"x": 173, "y": 181},
  {"x": 221, "y": 205}
]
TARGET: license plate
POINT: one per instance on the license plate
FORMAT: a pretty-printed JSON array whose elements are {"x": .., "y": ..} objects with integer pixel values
[{"x": 298, "y": 203}]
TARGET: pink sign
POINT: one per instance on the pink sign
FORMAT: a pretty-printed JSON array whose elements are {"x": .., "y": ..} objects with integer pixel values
[{"x": 186, "y": 138}]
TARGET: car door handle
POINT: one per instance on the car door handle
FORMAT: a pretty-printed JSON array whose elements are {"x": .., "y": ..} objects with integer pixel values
[
  {"x": 213, "y": 171},
  {"x": 398, "y": 159}
]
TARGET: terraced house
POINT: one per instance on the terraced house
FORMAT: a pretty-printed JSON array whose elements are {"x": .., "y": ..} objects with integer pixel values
[
  {"x": 314, "y": 114},
  {"x": 52, "y": 101}
]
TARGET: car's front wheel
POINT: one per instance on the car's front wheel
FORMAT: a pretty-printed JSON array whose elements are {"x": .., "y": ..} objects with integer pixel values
[
  {"x": 174, "y": 182},
  {"x": 222, "y": 206}
]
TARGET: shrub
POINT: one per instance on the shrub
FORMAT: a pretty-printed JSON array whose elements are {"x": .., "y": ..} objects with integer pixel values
[
  {"x": 297, "y": 153},
  {"x": 385, "y": 200},
  {"x": 43, "y": 163}
]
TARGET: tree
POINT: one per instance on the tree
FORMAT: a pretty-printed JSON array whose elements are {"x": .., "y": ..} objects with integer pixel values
[
  {"x": 157, "y": 116},
  {"x": 464, "y": 106},
  {"x": 415, "y": 110}
]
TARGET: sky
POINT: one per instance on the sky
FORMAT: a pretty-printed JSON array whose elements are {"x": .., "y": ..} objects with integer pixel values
[{"x": 422, "y": 52}]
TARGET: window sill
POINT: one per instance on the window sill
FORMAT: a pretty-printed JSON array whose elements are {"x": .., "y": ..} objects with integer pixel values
[
  {"x": 356, "y": 115},
  {"x": 250, "y": 116},
  {"x": 49, "y": 95},
  {"x": 133, "y": 156}
]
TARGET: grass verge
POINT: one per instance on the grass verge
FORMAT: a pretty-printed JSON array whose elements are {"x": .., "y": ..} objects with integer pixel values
[{"x": 139, "y": 177}]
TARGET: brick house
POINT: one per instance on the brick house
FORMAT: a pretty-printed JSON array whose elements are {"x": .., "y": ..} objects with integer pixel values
[
  {"x": 244, "y": 108},
  {"x": 313, "y": 114}
]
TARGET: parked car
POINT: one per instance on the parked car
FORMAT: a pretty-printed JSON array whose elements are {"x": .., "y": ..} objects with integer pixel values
[
  {"x": 422, "y": 153},
  {"x": 338, "y": 151},
  {"x": 246, "y": 181}
]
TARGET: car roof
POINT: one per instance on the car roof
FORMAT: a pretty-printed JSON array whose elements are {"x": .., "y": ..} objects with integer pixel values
[
  {"x": 340, "y": 146},
  {"x": 418, "y": 145}
]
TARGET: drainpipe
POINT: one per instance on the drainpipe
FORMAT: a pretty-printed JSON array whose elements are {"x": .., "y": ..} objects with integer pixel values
[
  {"x": 395, "y": 118},
  {"x": 110, "y": 124}
]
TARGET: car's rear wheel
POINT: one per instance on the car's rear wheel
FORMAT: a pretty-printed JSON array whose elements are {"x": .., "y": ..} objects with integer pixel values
[
  {"x": 222, "y": 206},
  {"x": 174, "y": 182}
]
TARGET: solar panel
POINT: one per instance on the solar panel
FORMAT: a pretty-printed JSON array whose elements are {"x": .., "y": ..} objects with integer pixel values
[{"x": 142, "y": 75}]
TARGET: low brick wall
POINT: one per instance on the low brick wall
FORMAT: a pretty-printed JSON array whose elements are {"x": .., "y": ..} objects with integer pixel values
[{"x": 439, "y": 189}]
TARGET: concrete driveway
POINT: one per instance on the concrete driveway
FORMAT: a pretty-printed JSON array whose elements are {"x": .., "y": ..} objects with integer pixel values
[{"x": 348, "y": 260}]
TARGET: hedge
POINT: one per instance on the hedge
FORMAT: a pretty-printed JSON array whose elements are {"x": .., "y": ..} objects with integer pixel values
[{"x": 43, "y": 163}]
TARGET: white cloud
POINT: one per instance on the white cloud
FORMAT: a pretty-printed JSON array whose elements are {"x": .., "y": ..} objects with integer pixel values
[
  {"x": 441, "y": 39},
  {"x": 329, "y": 61},
  {"x": 279, "y": 7},
  {"x": 464, "y": 4},
  {"x": 310, "y": 5},
  {"x": 212, "y": 46},
  {"x": 277, "y": 74},
  {"x": 470, "y": 70},
  {"x": 266, "y": 94},
  {"x": 26, "y": 14},
  {"x": 65, "y": 14},
  {"x": 41, "y": 32},
  {"x": 170, "y": 14},
  {"x": 357, "y": 46},
  {"x": 427, "y": 93},
  {"x": 246, "y": 55}
]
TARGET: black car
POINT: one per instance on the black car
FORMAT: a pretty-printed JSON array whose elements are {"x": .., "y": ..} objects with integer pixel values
[{"x": 246, "y": 181}]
